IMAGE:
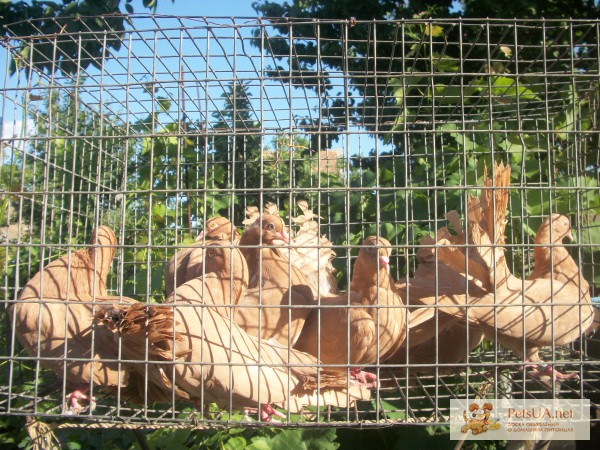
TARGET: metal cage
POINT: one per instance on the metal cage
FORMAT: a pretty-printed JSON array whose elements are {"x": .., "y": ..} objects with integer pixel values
[{"x": 381, "y": 126}]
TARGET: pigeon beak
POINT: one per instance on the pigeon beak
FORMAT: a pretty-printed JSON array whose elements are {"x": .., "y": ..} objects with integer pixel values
[
  {"x": 384, "y": 262},
  {"x": 285, "y": 237},
  {"x": 200, "y": 236},
  {"x": 570, "y": 236}
]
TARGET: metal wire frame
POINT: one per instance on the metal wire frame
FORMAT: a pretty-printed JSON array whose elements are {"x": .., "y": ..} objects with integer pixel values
[{"x": 153, "y": 153}]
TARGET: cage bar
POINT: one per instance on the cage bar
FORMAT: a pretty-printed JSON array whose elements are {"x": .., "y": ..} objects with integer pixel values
[{"x": 382, "y": 127}]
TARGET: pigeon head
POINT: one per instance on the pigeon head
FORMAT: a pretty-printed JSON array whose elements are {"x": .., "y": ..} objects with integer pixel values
[
  {"x": 217, "y": 228},
  {"x": 561, "y": 229},
  {"x": 374, "y": 249}
]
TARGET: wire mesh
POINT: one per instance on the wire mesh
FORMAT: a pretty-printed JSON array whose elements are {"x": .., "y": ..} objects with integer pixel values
[{"x": 381, "y": 127}]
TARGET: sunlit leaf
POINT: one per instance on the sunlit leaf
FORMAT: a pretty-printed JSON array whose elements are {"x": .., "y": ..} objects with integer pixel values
[
  {"x": 507, "y": 51},
  {"x": 434, "y": 30},
  {"x": 163, "y": 103}
]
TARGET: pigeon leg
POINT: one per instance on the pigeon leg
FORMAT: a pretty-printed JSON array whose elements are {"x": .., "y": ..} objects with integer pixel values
[
  {"x": 74, "y": 397},
  {"x": 550, "y": 371},
  {"x": 266, "y": 413},
  {"x": 366, "y": 379}
]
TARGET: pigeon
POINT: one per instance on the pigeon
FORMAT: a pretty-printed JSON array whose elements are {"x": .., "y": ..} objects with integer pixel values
[
  {"x": 194, "y": 342},
  {"x": 522, "y": 315},
  {"x": 186, "y": 264},
  {"x": 53, "y": 319},
  {"x": 278, "y": 299},
  {"x": 365, "y": 325}
]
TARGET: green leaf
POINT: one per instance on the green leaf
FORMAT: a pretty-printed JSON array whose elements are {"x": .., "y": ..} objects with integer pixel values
[
  {"x": 285, "y": 440},
  {"x": 517, "y": 152},
  {"x": 156, "y": 281},
  {"x": 20, "y": 59},
  {"x": 507, "y": 51},
  {"x": 189, "y": 153},
  {"x": 507, "y": 87},
  {"x": 168, "y": 439},
  {"x": 447, "y": 64},
  {"x": 590, "y": 234},
  {"x": 163, "y": 103},
  {"x": 71, "y": 8},
  {"x": 320, "y": 439},
  {"x": 389, "y": 231},
  {"x": 71, "y": 445},
  {"x": 386, "y": 176},
  {"x": 434, "y": 30},
  {"x": 146, "y": 124},
  {"x": 462, "y": 139},
  {"x": 149, "y": 4},
  {"x": 260, "y": 443},
  {"x": 446, "y": 95},
  {"x": 400, "y": 85},
  {"x": 235, "y": 443},
  {"x": 188, "y": 239},
  {"x": 159, "y": 212},
  {"x": 393, "y": 410}
]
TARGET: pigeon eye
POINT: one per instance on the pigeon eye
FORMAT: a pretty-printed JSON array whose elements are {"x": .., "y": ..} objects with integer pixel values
[
  {"x": 211, "y": 253},
  {"x": 270, "y": 226}
]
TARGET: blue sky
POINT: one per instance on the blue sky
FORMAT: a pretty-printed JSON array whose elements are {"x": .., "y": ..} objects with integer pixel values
[
  {"x": 216, "y": 8},
  {"x": 277, "y": 99},
  {"x": 227, "y": 8}
]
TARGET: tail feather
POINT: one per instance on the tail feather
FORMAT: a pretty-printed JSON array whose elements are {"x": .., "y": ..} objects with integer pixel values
[
  {"x": 153, "y": 326},
  {"x": 487, "y": 224},
  {"x": 495, "y": 201},
  {"x": 148, "y": 327},
  {"x": 139, "y": 324},
  {"x": 335, "y": 383},
  {"x": 313, "y": 253},
  {"x": 452, "y": 260}
]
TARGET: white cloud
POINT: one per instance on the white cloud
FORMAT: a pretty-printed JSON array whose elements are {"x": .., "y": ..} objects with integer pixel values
[{"x": 14, "y": 128}]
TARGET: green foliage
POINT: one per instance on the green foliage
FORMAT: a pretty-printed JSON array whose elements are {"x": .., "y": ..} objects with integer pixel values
[
  {"x": 537, "y": 158},
  {"x": 70, "y": 16},
  {"x": 534, "y": 9},
  {"x": 175, "y": 175},
  {"x": 168, "y": 439},
  {"x": 302, "y": 439},
  {"x": 413, "y": 437},
  {"x": 12, "y": 432}
]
